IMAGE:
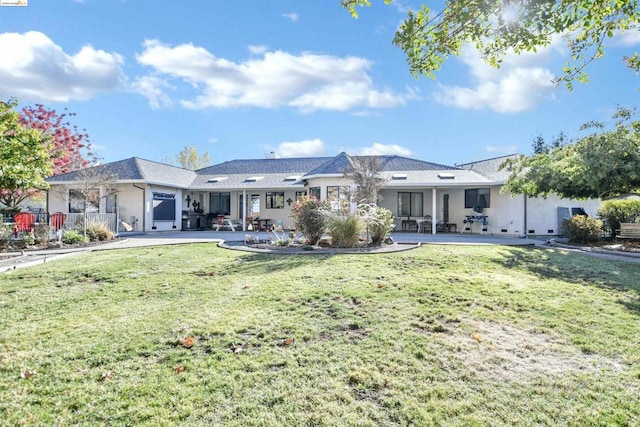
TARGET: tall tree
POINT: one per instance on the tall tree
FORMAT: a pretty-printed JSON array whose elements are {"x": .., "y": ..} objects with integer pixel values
[
  {"x": 498, "y": 27},
  {"x": 603, "y": 164},
  {"x": 24, "y": 157},
  {"x": 189, "y": 158},
  {"x": 539, "y": 145},
  {"x": 68, "y": 146}
]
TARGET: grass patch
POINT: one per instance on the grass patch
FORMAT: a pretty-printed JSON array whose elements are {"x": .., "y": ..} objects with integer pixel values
[{"x": 194, "y": 334}]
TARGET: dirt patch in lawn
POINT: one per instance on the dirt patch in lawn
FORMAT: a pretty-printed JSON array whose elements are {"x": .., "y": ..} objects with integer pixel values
[{"x": 506, "y": 353}]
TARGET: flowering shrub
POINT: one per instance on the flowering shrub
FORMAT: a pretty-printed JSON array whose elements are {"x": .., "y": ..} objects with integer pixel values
[
  {"x": 308, "y": 219},
  {"x": 379, "y": 222}
]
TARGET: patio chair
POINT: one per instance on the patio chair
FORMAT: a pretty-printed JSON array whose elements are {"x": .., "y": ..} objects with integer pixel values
[{"x": 24, "y": 221}]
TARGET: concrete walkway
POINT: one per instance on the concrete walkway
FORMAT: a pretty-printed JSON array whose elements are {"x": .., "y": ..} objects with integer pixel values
[{"x": 13, "y": 261}]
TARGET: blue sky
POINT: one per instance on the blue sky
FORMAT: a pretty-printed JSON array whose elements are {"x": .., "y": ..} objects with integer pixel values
[{"x": 239, "y": 79}]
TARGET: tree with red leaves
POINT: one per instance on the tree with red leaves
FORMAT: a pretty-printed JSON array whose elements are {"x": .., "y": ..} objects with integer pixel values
[{"x": 68, "y": 146}]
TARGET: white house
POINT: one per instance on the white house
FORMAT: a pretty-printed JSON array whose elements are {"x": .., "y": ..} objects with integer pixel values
[{"x": 150, "y": 196}]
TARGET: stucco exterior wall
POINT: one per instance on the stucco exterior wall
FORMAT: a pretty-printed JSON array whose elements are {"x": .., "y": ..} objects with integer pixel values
[
  {"x": 505, "y": 215},
  {"x": 150, "y": 224}
]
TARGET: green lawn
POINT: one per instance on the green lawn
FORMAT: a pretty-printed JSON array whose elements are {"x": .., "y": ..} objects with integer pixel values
[{"x": 442, "y": 335}]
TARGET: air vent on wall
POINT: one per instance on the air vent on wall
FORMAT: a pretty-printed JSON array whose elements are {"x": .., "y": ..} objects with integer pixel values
[
  {"x": 399, "y": 176},
  {"x": 253, "y": 179}
]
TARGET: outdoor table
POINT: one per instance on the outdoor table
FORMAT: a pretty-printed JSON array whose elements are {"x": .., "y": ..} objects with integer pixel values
[
  {"x": 471, "y": 219},
  {"x": 262, "y": 223}
]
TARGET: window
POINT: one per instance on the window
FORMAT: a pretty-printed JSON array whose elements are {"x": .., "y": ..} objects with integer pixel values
[
  {"x": 409, "y": 204},
  {"x": 338, "y": 196},
  {"x": 112, "y": 203},
  {"x": 220, "y": 203},
  {"x": 315, "y": 192},
  {"x": 477, "y": 197},
  {"x": 275, "y": 200},
  {"x": 78, "y": 200},
  {"x": 300, "y": 194},
  {"x": 253, "y": 208}
]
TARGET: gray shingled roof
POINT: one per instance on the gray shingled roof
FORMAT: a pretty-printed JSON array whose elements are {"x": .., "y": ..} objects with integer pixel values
[
  {"x": 277, "y": 173},
  {"x": 489, "y": 168},
  {"x": 134, "y": 169},
  {"x": 300, "y": 165},
  {"x": 343, "y": 163},
  {"x": 242, "y": 181}
]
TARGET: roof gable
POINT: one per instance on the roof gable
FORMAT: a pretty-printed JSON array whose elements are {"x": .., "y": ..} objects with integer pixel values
[
  {"x": 490, "y": 168},
  {"x": 133, "y": 169},
  {"x": 343, "y": 164}
]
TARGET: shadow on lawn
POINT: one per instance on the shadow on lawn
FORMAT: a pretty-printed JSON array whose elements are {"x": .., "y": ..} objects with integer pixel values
[
  {"x": 617, "y": 276},
  {"x": 253, "y": 264}
]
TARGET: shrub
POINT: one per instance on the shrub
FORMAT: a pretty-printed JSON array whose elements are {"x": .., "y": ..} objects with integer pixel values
[
  {"x": 99, "y": 231},
  {"x": 41, "y": 233},
  {"x": 72, "y": 237},
  {"x": 613, "y": 212},
  {"x": 308, "y": 219},
  {"x": 27, "y": 238},
  {"x": 379, "y": 222},
  {"x": 5, "y": 235},
  {"x": 344, "y": 231},
  {"x": 582, "y": 229}
]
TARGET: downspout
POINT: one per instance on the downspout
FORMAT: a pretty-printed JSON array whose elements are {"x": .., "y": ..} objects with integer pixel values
[{"x": 144, "y": 205}]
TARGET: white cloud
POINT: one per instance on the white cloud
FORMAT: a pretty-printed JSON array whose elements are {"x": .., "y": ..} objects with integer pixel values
[
  {"x": 258, "y": 49},
  {"x": 34, "y": 68},
  {"x": 308, "y": 148},
  {"x": 152, "y": 88},
  {"x": 378, "y": 149},
  {"x": 519, "y": 84},
  {"x": 293, "y": 16},
  {"x": 307, "y": 81},
  {"x": 627, "y": 38}
]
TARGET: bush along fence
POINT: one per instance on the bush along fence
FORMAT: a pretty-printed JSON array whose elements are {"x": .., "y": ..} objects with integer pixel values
[{"x": 40, "y": 227}]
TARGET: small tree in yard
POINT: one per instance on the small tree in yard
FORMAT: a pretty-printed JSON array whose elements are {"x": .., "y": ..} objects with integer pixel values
[
  {"x": 308, "y": 219},
  {"x": 366, "y": 176}
]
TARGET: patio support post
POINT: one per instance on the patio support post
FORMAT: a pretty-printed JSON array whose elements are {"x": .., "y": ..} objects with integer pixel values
[
  {"x": 434, "y": 210},
  {"x": 244, "y": 210}
]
